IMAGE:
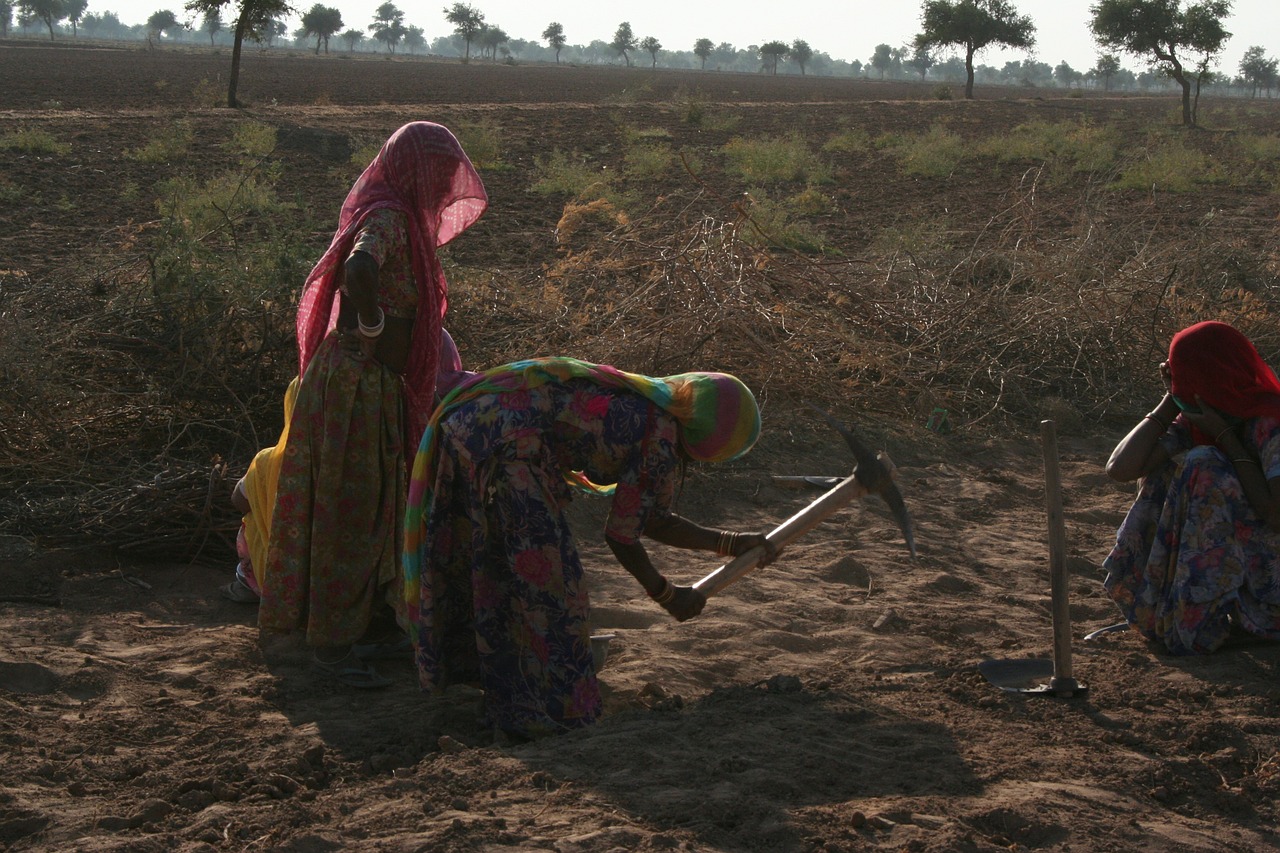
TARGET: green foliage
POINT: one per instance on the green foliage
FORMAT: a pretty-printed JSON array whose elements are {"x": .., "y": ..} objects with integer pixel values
[
  {"x": 482, "y": 140},
  {"x": 721, "y": 121},
  {"x": 364, "y": 150},
  {"x": 692, "y": 102},
  {"x": 323, "y": 22},
  {"x": 559, "y": 173},
  {"x": 253, "y": 140},
  {"x": 635, "y": 135},
  {"x": 32, "y": 140},
  {"x": 624, "y": 41},
  {"x": 973, "y": 25},
  {"x": 468, "y": 23},
  {"x": 935, "y": 153},
  {"x": 225, "y": 249},
  {"x": 1086, "y": 147},
  {"x": 855, "y": 140},
  {"x": 775, "y": 224},
  {"x": 943, "y": 92},
  {"x": 775, "y": 159},
  {"x": 923, "y": 239},
  {"x": 206, "y": 93},
  {"x": 1165, "y": 34},
  {"x": 222, "y": 203},
  {"x": 812, "y": 202},
  {"x": 10, "y": 193},
  {"x": 1169, "y": 165},
  {"x": 171, "y": 143},
  {"x": 1260, "y": 151},
  {"x": 647, "y": 162}
]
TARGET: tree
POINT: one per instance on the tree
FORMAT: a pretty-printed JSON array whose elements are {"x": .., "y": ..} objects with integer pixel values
[
  {"x": 973, "y": 25},
  {"x": 1106, "y": 68},
  {"x": 881, "y": 58},
  {"x": 48, "y": 11},
  {"x": 920, "y": 60},
  {"x": 490, "y": 39},
  {"x": 702, "y": 49},
  {"x": 322, "y": 22},
  {"x": 159, "y": 23},
  {"x": 388, "y": 25},
  {"x": 1066, "y": 75},
  {"x": 652, "y": 45},
  {"x": 1257, "y": 70},
  {"x": 554, "y": 34},
  {"x": 352, "y": 38},
  {"x": 75, "y": 11},
  {"x": 212, "y": 23},
  {"x": 800, "y": 53},
  {"x": 253, "y": 21},
  {"x": 1167, "y": 35},
  {"x": 771, "y": 52},
  {"x": 624, "y": 41},
  {"x": 414, "y": 38},
  {"x": 467, "y": 21},
  {"x": 6, "y": 17},
  {"x": 269, "y": 31}
]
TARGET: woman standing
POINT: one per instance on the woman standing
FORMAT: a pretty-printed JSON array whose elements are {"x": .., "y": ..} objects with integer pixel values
[
  {"x": 493, "y": 581},
  {"x": 369, "y": 332},
  {"x": 1199, "y": 549}
]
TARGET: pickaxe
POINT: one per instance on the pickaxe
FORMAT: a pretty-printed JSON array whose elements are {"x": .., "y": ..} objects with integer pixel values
[{"x": 871, "y": 475}]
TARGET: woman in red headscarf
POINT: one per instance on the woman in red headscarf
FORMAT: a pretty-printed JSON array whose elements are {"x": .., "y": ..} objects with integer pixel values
[
  {"x": 369, "y": 338},
  {"x": 1199, "y": 551}
]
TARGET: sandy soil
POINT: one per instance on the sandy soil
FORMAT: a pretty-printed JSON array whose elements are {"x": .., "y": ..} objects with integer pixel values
[{"x": 829, "y": 702}]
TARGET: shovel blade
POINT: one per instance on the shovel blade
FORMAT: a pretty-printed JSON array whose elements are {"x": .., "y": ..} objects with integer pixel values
[{"x": 1023, "y": 675}]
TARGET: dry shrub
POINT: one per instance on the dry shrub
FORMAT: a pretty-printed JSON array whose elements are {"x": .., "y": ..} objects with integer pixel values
[
  {"x": 1052, "y": 309},
  {"x": 133, "y": 409}
]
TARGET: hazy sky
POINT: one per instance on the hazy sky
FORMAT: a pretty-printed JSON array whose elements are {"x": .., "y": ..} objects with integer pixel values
[{"x": 849, "y": 29}]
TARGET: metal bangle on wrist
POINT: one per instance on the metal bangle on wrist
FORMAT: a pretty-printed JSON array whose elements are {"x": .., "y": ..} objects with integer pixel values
[{"x": 375, "y": 330}]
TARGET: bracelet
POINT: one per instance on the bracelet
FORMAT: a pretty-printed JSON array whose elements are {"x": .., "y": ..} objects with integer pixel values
[
  {"x": 1247, "y": 461},
  {"x": 374, "y": 330},
  {"x": 1217, "y": 439},
  {"x": 727, "y": 543},
  {"x": 668, "y": 592},
  {"x": 1152, "y": 416}
]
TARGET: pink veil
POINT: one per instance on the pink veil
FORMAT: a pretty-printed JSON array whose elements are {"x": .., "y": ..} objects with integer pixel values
[{"x": 423, "y": 172}]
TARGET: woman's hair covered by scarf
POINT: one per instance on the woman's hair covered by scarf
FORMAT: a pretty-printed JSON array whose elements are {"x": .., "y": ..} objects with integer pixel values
[
  {"x": 422, "y": 172},
  {"x": 1219, "y": 364},
  {"x": 718, "y": 415}
]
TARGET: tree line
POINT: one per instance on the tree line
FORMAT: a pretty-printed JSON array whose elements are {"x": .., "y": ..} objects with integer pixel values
[{"x": 1177, "y": 41}]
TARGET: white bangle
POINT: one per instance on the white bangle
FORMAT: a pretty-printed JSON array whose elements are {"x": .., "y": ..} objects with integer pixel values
[{"x": 374, "y": 330}]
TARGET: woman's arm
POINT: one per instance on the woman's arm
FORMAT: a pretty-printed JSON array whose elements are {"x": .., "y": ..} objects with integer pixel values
[
  {"x": 680, "y": 532},
  {"x": 1139, "y": 453},
  {"x": 360, "y": 284},
  {"x": 684, "y": 602}
]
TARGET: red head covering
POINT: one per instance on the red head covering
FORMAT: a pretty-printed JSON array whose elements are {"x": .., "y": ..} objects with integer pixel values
[
  {"x": 1218, "y": 363},
  {"x": 422, "y": 172}
]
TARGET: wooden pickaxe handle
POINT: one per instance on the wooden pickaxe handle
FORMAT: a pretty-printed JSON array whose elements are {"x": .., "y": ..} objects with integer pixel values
[{"x": 844, "y": 493}]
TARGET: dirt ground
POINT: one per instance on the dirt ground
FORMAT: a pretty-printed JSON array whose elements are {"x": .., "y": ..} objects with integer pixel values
[{"x": 828, "y": 702}]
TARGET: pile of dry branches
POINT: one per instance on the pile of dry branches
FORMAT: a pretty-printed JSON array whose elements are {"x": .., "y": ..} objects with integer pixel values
[{"x": 131, "y": 415}]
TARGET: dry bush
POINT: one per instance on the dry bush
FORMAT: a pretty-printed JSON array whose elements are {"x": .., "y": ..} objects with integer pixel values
[
  {"x": 1061, "y": 307},
  {"x": 134, "y": 404}
]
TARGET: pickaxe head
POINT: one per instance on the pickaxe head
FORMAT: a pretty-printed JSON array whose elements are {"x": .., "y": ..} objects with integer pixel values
[{"x": 872, "y": 473}]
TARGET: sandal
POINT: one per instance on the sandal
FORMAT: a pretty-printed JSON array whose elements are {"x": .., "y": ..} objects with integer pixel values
[
  {"x": 401, "y": 649},
  {"x": 239, "y": 592},
  {"x": 352, "y": 672}
]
